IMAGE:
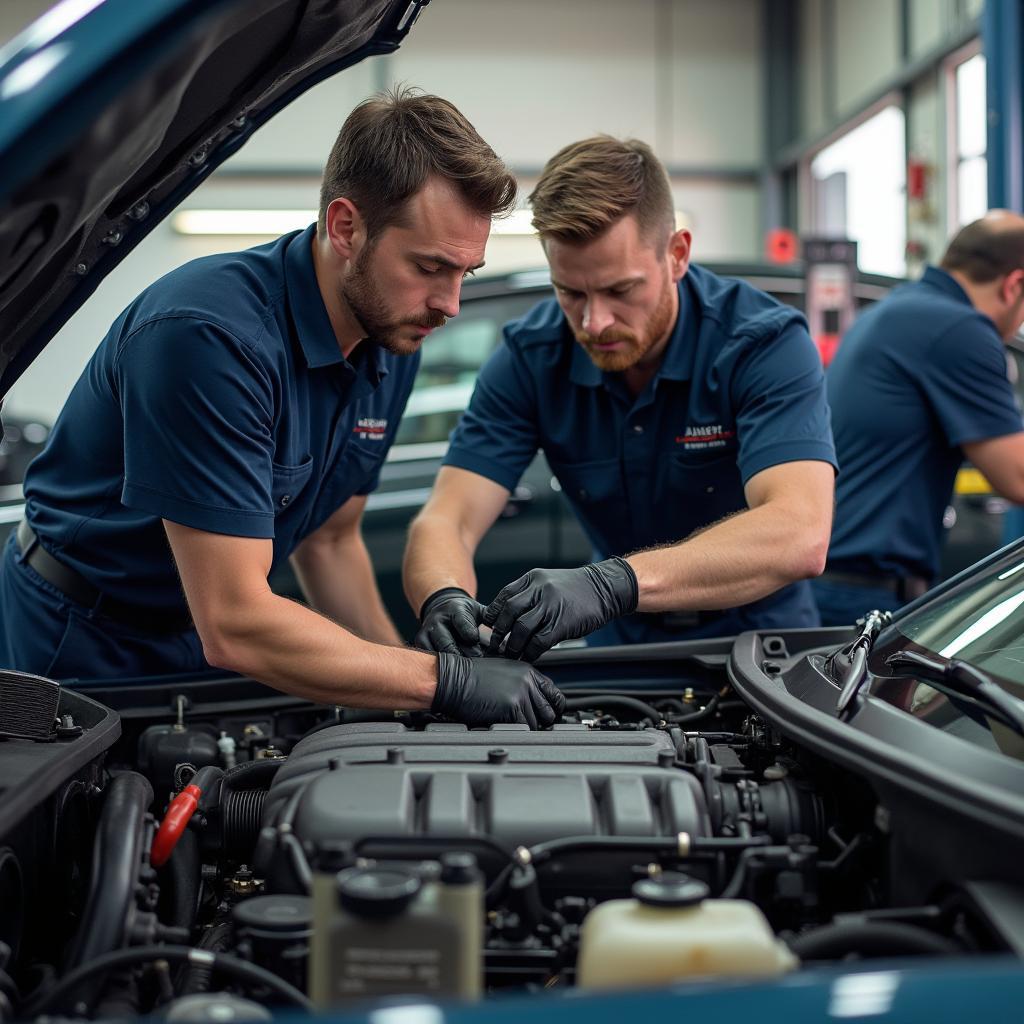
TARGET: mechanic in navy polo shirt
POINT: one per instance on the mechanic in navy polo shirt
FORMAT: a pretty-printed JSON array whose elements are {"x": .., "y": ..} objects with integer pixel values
[
  {"x": 918, "y": 384},
  {"x": 237, "y": 413},
  {"x": 684, "y": 415}
]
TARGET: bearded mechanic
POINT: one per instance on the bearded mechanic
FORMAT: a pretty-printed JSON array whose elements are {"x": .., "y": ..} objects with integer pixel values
[
  {"x": 683, "y": 414},
  {"x": 238, "y": 413}
]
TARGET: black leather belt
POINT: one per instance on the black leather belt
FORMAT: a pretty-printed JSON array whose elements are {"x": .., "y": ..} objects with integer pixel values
[
  {"x": 76, "y": 587},
  {"x": 904, "y": 588}
]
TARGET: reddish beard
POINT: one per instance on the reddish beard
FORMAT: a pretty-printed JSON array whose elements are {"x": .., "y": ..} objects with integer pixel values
[
  {"x": 614, "y": 360},
  {"x": 633, "y": 347}
]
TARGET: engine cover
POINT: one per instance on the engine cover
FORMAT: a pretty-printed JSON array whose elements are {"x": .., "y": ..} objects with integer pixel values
[{"x": 507, "y": 783}]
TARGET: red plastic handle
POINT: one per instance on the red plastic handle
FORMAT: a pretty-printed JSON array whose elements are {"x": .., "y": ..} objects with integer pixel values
[{"x": 178, "y": 815}]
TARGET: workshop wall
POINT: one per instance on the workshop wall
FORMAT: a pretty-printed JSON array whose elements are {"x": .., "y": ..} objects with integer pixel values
[
  {"x": 687, "y": 76},
  {"x": 532, "y": 76},
  {"x": 865, "y": 43}
]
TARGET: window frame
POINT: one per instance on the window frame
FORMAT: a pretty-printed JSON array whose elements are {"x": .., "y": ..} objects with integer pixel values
[{"x": 950, "y": 67}]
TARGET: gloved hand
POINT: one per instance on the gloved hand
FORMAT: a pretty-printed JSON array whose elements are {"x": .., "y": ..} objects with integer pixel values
[
  {"x": 482, "y": 691},
  {"x": 450, "y": 623},
  {"x": 547, "y": 606}
]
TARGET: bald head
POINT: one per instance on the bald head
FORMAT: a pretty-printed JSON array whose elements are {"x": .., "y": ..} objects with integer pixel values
[{"x": 989, "y": 248}]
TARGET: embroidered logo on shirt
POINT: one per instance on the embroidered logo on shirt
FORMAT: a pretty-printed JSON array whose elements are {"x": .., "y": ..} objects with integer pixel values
[
  {"x": 369, "y": 429},
  {"x": 696, "y": 438}
]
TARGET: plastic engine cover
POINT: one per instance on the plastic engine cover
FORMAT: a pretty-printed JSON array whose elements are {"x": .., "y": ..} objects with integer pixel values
[{"x": 516, "y": 786}]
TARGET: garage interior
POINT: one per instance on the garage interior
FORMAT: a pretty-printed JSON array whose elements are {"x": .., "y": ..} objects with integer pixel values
[{"x": 832, "y": 814}]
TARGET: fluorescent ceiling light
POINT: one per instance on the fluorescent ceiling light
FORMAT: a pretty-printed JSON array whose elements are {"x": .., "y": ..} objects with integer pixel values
[
  {"x": 240, "y": 222},
  {"x": 277, "y": 222},
  {"x": 270, "y": 223},
  {"x": 518, "y": 222}
]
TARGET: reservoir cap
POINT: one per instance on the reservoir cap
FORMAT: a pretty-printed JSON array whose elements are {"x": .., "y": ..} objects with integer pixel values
[
  {"x": 670, "y": 889},
  {"x": 376, "y": 892},
  {"x": 459, "y": 869}
]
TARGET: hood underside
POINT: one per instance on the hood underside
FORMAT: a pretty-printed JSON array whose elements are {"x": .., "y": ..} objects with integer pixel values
[{"x": 109, "y": 118}]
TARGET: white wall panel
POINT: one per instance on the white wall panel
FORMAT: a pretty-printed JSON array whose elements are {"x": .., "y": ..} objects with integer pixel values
[
  {"x": 535, "y": 75},
  {"x": 867, "y": 40},
  {"x": 716, "y": 91},
  {"x": 724, "y": 218},
  {"x": 929, "y": 21},
  {"x": 811, "y": 70}
]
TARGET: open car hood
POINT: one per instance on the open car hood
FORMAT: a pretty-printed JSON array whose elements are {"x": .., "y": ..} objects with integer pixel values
[{"x": 113, "y": 111}]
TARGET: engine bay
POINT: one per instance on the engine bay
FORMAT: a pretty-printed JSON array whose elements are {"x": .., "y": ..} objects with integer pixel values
[{"x": 201, "y": 858}]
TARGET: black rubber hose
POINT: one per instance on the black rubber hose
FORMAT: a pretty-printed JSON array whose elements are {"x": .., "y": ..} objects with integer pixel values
[
  {"x": 117, "y": 858},
  {"x": 871, "y": 939},
  {"x": 675, "y": 705},
  {"x": 216, "y": 939},
  {"x": 185, "y": 867},
  {"x": 206, "y": 777},
  {"x": 641, "y": 844},
  {"x": 232, "y": 966},
  {"x": 695, "y": 716},
  {"x": 241, "y": 813},
  {"x": 613, "y": 700}
]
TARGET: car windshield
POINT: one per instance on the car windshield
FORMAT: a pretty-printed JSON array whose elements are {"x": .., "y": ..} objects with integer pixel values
[{"x": 979, "y": 620}]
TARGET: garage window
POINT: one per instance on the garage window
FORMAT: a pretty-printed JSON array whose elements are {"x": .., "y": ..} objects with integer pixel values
[
  {"x": 969, "y": 141},
  {"x": 859, "y": 189}
]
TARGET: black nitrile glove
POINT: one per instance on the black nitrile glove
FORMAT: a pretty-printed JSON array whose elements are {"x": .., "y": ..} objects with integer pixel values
[
  {"x": 482, "y": 691},
  {"x": 450, "y": 623},
  {"x": 547, "y": 606}
]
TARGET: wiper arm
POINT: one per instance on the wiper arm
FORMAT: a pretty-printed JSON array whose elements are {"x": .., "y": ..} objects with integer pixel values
[
  {"x": 856, "y": 670},
  {"x": 964, "y": 679}
]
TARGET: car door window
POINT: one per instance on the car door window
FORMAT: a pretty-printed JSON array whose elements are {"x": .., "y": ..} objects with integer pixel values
[{"x": 452, "y": 357}]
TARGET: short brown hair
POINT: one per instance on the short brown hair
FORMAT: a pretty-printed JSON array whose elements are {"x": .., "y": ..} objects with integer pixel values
[
  {"x": 392, "y": 143},
  {"x": 587, "y": 186},
  {"x": 987, "y": 249}
]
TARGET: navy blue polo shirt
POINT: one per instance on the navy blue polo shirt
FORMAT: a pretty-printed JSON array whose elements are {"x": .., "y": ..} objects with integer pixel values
[
  {"x": 739, "y": 390},
  {"x": 219, "y": 400},
  {"x": 915, "y": 377}
]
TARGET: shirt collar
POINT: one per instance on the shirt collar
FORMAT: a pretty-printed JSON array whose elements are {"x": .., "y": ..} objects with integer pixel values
[
  {"x": 676, "y": 363},
  {"x": 945, "y": 282},
  {"x": 312, "y": 324},
  {"x": 309, "y": 314},
  {"x": 369, "y": 365}
]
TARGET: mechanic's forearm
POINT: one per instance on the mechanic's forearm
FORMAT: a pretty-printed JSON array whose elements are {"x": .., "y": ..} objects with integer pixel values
[
  {"x": 292, "y": 648},
  {"x": 437, "y": 555},
  {"x": 338, "y": 580},
  {"x": 738, "y": 560}
]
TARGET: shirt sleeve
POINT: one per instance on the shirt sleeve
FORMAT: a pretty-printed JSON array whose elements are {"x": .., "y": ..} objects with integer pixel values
[
  {"x": 966, "y": 382},
  {"x": 778, "y": 389},
  {"x": 497, "y": 437},
  {"x": 198, "y": 415}
]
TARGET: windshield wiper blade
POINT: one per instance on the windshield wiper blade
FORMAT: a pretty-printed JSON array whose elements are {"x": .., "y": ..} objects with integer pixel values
[
  {"x": 963, "y": 679},
  {"x": 855, "y": 671}
]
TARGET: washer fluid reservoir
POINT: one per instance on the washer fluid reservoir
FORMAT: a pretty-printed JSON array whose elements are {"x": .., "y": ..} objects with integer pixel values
[{"x": 670, "y": 930}]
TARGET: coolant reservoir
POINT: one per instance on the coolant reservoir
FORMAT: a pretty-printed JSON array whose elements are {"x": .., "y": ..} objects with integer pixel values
[{"x": 669, "y": 931}]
